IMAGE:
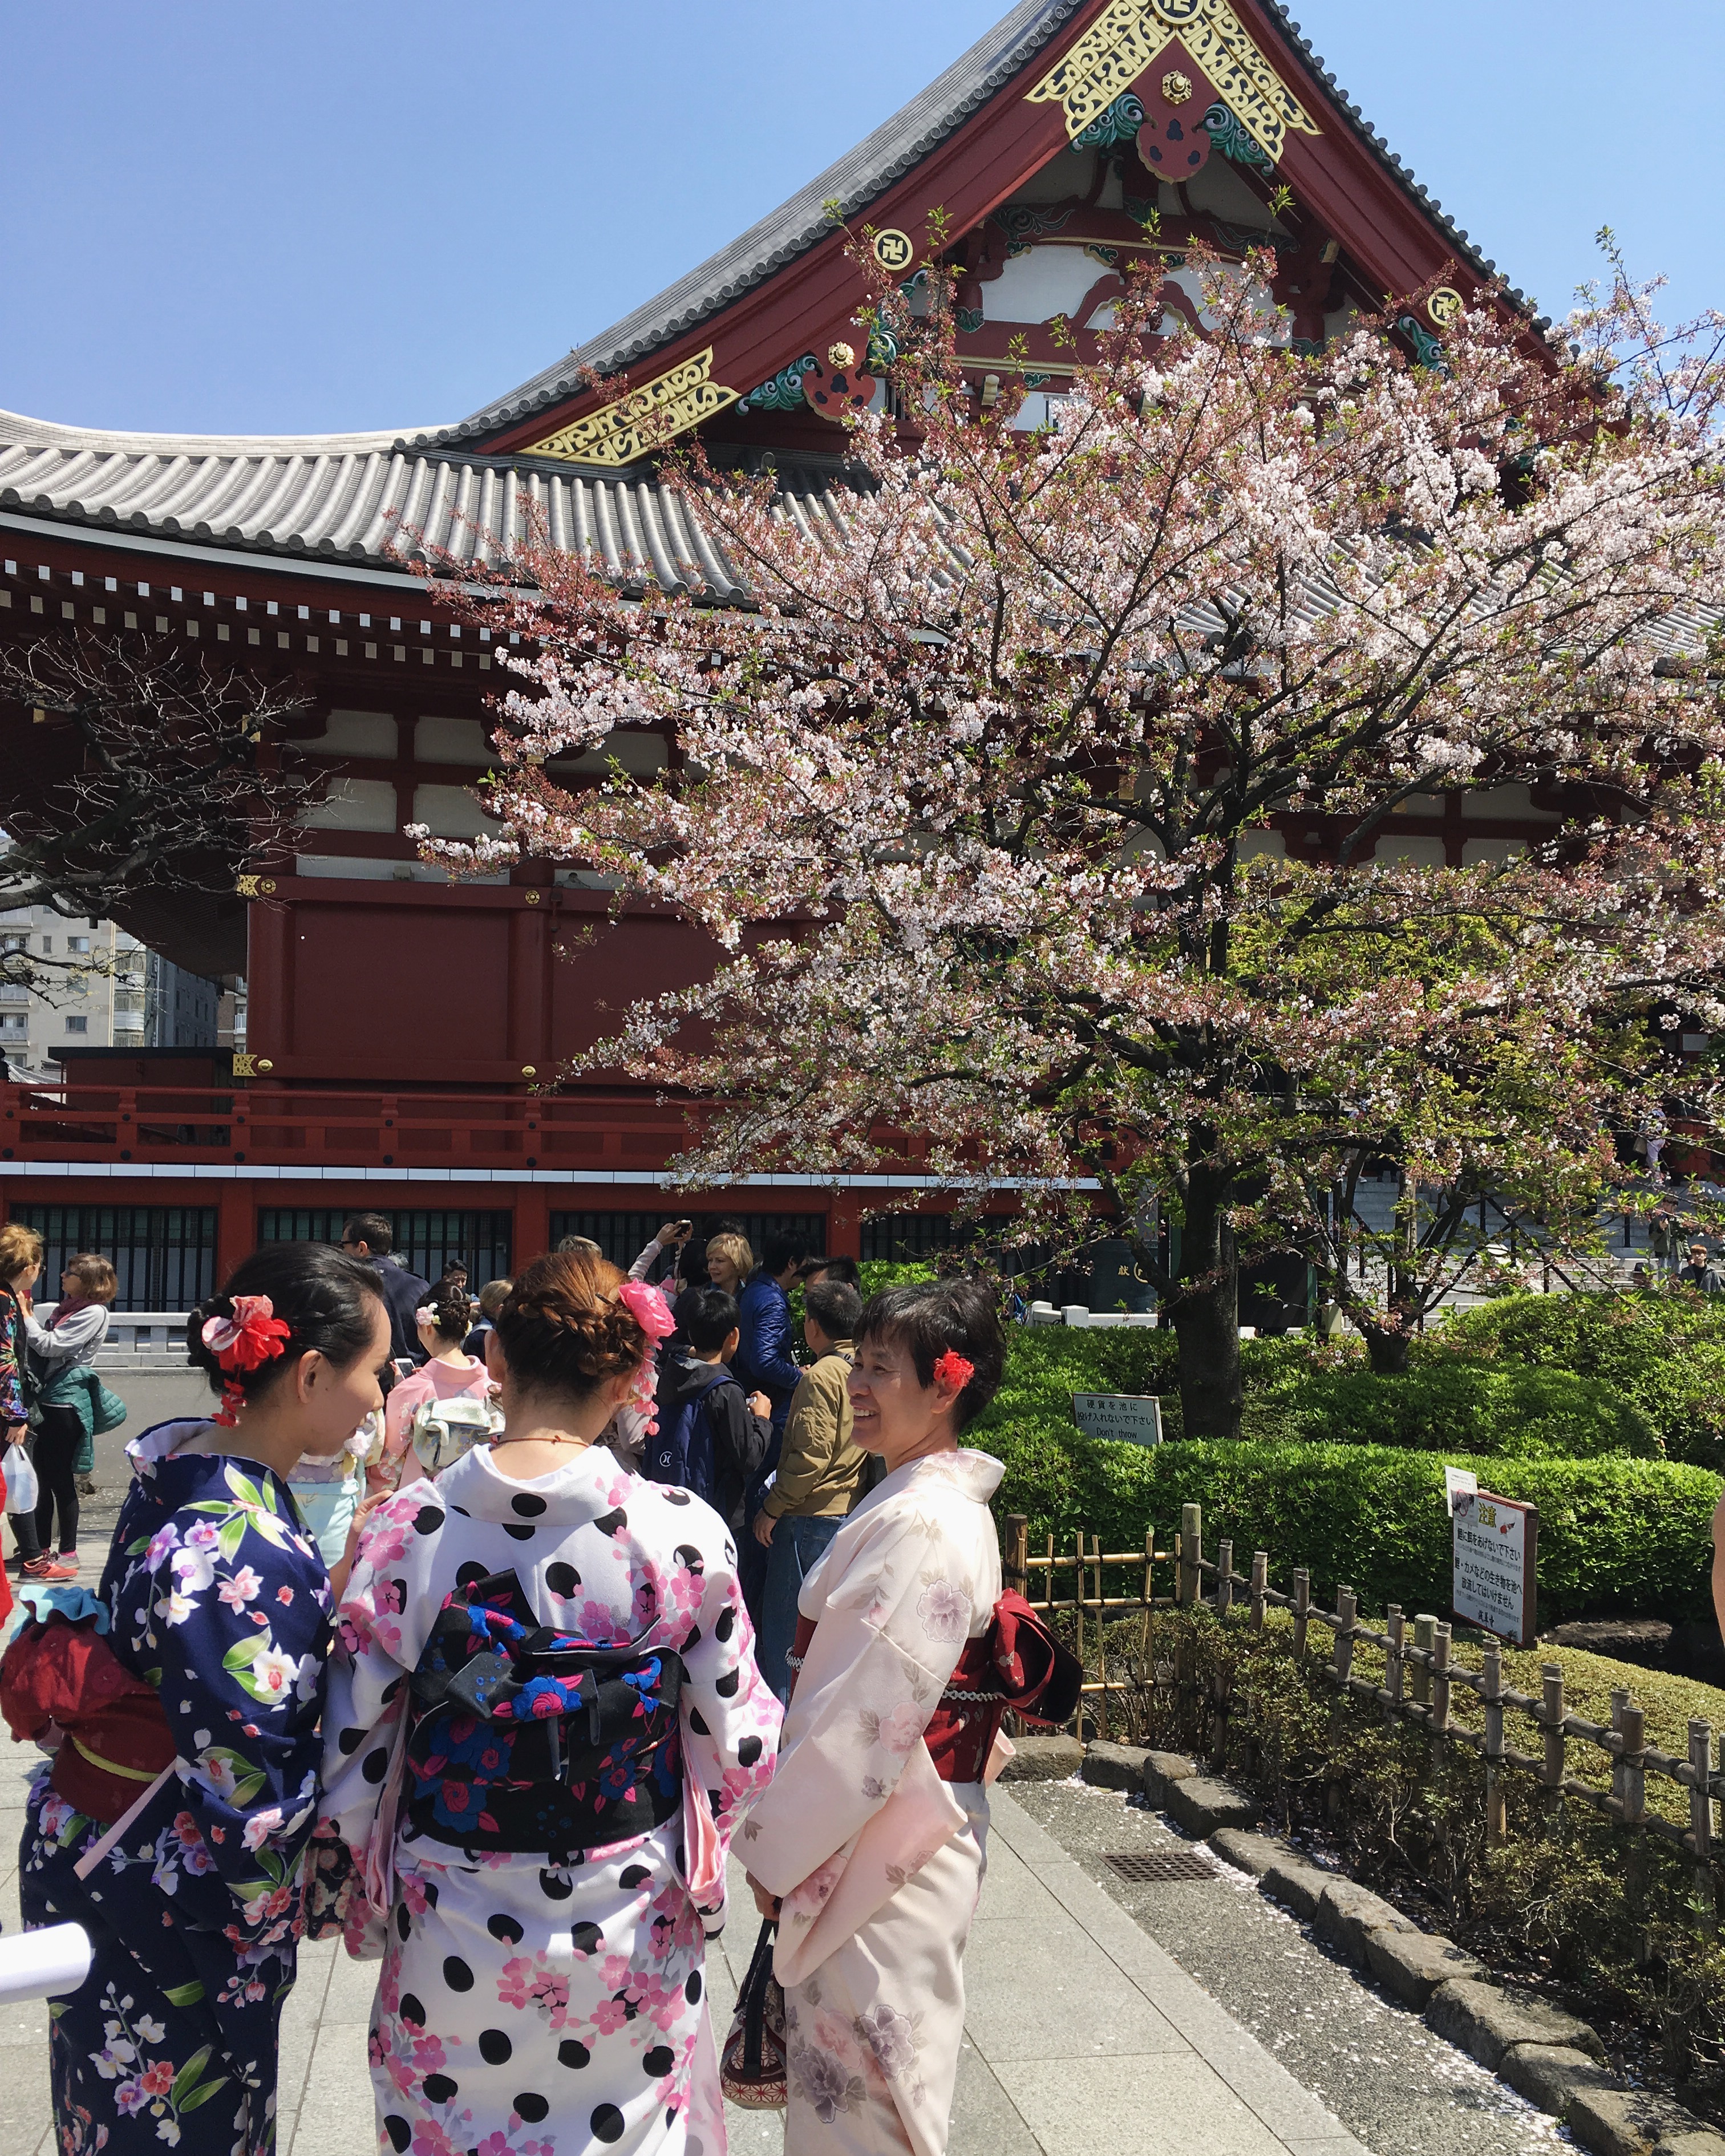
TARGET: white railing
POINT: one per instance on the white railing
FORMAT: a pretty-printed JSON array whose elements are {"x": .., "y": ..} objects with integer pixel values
[{"x": 138, "y": 1336}]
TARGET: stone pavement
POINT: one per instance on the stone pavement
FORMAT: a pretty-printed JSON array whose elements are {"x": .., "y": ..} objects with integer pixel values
[{"x": 1083, "y": 2037}]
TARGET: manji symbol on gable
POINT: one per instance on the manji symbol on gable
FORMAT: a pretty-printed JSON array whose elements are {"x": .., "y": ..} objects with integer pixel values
[
  {"x": 1121, "y": 45},
  {"x": 642, "y": 420}
]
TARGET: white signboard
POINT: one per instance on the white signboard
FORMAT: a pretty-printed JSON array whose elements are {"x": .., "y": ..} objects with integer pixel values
[
  {"x": 1125, "y": 1417},
  {"x": 1494, "y": 1541},
  {"x": 1456, "y": 1481}
]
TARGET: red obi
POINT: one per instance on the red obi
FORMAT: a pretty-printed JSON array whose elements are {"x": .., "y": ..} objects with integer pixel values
[
  {"x": 1017, "y": 1663},
  {"x": 114, "y": 1737}
]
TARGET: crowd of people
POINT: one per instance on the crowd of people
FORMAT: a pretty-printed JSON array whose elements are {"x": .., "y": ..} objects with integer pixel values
[{"x": 475, "y": 1629}]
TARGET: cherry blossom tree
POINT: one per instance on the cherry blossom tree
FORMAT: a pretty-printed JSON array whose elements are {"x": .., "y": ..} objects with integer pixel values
[{"x": 1043, "y": 805}]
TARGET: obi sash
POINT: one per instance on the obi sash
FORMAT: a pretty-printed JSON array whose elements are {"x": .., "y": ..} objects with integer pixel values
[
  {"x": 1016, "y": 1664},
  {"x": 61, "y": 1678}
]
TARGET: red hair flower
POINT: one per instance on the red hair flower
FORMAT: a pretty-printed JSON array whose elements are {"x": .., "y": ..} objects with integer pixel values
[
  {"x": 251, "y": 1336},
  {"x": 954, "y": 1370}
]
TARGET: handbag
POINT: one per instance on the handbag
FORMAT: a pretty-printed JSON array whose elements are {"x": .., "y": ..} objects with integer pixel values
[
  {"x": 752, "y": 2071},
  {"x": 24, "y": 1493}
]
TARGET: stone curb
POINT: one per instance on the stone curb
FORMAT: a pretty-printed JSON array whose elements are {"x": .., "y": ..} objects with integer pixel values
[{"x": 1550, "y": 2057}]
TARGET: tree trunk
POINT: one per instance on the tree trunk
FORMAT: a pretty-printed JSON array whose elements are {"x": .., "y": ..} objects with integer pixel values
[
  {"x": 1387, "y": 1347},
  {"x": 1205, "y": 1313}
]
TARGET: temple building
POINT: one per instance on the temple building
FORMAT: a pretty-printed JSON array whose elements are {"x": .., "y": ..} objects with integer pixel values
[{"x": 1078, "y": 136}]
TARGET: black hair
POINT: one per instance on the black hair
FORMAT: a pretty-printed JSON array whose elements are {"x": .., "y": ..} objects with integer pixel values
[
  {"x": 707, "y": 1317},
  {"x": 780, "y": 1250},
  {"x": 836, "y": 1269},
  {"x": 453, "y": 1310},
  {"x": 374, "y": 1230},
  {"x": 328, "y": 1300},
  {"x": 931, "y": 1316},
  {"x": 835, "y": 1305}
]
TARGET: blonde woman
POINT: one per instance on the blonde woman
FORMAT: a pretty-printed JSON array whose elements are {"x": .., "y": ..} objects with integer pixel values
[
  {"x": 729, "y": 1263},
  {"x": 20, "y": 1268}
]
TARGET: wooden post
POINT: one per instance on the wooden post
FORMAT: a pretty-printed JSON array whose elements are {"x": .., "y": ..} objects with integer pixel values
[
  {"x": 1701, "y": 1819},
  {"x": 1492, "y": 1690},
  {"x": 1634, "y": 1769},
  {"x": 1191, "y": 1550},
  {"x": 1224, "y": 1579},
  {"x": 1261, "y": 1580},
  {"x": 1018, "y": 1553},
  {"x": 1346, "y": 1603},
  {"x": 1551, "y": 1719},
  {"x": 1095, "y": 1550},
  {"x": 1078, "y": 1598},
  {"x": 1425, "y": 1637},
  {"x": 1048, "y": 1599},
  {"x": 1440, "y": 1682},
  {"x": 1302, "y": 1609},
  {"x": 1395, "y": 1668}
]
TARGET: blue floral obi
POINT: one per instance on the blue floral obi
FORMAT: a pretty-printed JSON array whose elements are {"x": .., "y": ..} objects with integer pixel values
[{"x": 524, "y": 1738}]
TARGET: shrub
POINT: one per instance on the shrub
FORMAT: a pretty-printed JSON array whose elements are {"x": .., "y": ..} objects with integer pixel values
[
  {"x": 1664, "y": 1353},
  {"x": 1495, "y": 1409},
  {"x": 1611, "y": 1924},
  {"x": 1615, "y": 1534}
]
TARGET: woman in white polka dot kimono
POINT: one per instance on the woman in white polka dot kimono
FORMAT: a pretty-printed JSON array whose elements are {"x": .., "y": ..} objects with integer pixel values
[{"x": 544, "y": 1717}]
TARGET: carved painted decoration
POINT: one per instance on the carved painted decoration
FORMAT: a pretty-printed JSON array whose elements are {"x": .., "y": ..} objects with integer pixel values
[
  {"x": 837, "y": 388},
  {"x": 1132, "y": 36},
  {"x": 643, "y": 418},
  {"x": 783, "y": 392},
  {"x": 1172, "y": 139}
]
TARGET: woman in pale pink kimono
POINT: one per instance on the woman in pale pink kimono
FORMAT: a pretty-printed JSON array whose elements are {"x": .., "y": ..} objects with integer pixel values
[{"x": 873, "y": 1839}]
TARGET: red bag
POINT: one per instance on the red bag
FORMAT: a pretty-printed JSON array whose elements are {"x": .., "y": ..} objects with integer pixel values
[{"x": 115, "y": 1739}]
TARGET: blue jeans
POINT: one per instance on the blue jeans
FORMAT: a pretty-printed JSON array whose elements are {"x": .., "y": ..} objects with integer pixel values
[{"x": 798, "y": 1546}]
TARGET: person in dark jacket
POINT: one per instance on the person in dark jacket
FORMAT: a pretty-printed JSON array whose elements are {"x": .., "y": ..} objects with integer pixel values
[
  {"x": 765, "y": 1363},
  {"x": 741, "y": 1427},
  {"x": 369, "y": 1236}
]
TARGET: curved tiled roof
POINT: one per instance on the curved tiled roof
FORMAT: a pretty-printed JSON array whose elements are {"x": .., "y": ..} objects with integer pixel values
[
  {"x": 796, "y": 225},
  {"x": 345, "y": 497},
  {"x": 854, "y": 181}
]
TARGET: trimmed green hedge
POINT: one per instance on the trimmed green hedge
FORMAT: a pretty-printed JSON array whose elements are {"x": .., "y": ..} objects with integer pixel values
[
  {"x": 1496, "y": 1410},
  {"x": 1664, "y": 1353},
  {"x": 1615, "y": 1534}
]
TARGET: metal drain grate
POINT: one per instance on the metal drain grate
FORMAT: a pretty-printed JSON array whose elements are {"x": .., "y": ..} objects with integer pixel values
[{"x": 1145, "y": 1864}]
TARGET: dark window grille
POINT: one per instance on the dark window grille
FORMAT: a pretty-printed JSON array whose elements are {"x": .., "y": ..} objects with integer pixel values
[
  {"x": 900, "y": 1238},
  {"x": 622, "y": 1236},
  {"x": 164, "y": 1256},
  {"x": 424, "y": 1241}
]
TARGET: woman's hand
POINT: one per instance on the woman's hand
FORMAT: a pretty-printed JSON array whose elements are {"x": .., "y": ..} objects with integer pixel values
[
  {"x": 17, "y": 1433},
  {"x": 766, "y": 1903}
]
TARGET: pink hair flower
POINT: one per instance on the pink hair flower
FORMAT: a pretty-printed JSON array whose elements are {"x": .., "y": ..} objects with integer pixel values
[
  {"x": 952, "y": 1370},
  {"x": 245, "y": 1340},
  {"x": 648, "y": 1305},
  {"x": 425, "y": 1316}
]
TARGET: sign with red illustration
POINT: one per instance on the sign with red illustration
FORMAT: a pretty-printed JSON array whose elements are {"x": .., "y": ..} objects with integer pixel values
[{"x": 1495, "y": 1540}]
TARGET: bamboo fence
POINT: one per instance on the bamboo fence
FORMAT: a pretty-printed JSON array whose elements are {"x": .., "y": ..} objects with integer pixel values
[{"x": 1421, "y": 1680}]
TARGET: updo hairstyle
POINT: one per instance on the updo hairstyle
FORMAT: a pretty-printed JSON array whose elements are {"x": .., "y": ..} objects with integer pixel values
[
  {"x": 328, "y": 1300},
  {"x": 563, "y": 1329},
  {"x": 20, "y": 1248},
  {"x": 452, "y": 1310},
  {"x": 931, "y": 1316}
]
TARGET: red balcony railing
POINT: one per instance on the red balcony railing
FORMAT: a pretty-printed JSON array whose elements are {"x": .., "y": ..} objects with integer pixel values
[{"x": 287, "y": 1125}]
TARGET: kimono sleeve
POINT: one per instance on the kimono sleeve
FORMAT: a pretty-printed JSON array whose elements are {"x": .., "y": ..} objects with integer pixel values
[
  {"x": 893, "y": 1624},
  {"x": 365, "y": 1714},
  {"x": 227, "y": 1616},
  {"x": 730, "y": 1715}
]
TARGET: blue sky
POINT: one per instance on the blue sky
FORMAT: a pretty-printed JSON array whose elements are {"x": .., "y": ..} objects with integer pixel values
[{"x": 308, "y": 216}]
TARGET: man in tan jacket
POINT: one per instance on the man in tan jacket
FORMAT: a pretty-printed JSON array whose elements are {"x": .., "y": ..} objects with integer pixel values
[{"x": 820, "y": 1473}]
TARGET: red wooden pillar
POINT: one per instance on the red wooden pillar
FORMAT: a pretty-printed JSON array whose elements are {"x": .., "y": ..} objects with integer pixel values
[
  {"x": 530, "y": 1237},
  {"x": 270, "y": 980},
  {"x": 236, "y": 1226},
  {"x": 844, "y": 1227}
]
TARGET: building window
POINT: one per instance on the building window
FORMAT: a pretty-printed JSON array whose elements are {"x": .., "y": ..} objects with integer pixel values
[
  {"x": 165, "y": 1254},
  {"x": 78, "y": 1025},
  {"x": 424, "y": 1241},
  {"x": 78, "y": 943},
  {"x": 46, "y": 946},
  {"x": 13, "y": 1025},
  {"x": 10, "y": 944}
]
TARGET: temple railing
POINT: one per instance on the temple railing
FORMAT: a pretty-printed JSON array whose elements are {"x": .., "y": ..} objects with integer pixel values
[{"x": 287, "y": 1124}]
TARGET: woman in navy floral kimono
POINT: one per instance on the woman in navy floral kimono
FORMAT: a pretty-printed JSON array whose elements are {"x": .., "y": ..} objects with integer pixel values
[{"x": 217, "y": 1600}]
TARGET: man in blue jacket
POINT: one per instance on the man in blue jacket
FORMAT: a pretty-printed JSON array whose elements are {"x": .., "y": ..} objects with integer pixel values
[{"x": 764, "y": 1363}]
